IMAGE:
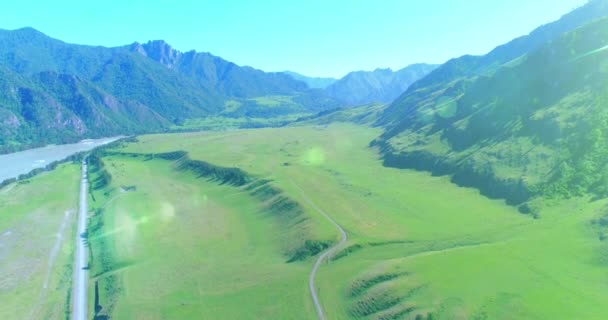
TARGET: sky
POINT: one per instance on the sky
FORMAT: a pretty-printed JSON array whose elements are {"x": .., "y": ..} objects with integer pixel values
[{"x": 312, "y": 37}]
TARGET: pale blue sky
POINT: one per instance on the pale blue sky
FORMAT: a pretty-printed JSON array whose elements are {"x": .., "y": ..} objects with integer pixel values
[{"x": 313, "y": 37}]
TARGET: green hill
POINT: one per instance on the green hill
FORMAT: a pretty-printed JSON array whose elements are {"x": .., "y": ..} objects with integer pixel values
[{"x": 536, "y": 126}]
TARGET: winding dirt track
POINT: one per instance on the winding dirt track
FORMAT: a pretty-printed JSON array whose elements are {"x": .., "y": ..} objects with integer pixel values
[{"x": 322, "y": 257}]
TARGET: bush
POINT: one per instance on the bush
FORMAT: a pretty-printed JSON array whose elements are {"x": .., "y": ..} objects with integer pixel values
[
  {"x": 309, "y": 249},
  {"x": 347, "y": 251}
]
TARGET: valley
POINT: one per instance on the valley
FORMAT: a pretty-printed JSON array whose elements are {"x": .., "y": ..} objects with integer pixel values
[
  {"x": 140, "y": 181},
  {"x": 407, "y": 254}
]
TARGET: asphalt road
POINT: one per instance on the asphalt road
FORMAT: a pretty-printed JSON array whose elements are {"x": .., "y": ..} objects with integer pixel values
[
  {"x": 322, "y": 257},
  {"x": 79, "y": 290}
]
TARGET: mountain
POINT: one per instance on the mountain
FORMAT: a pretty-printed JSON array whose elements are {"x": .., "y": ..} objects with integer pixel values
[
  {"x": 56, "y": 92},
  {"x": 225, "y": 77},
  {"x": 51, "y": 107},
  {"x": 446, "y": 75},
  {"x": 312, "y": 82},
  {"x": 380, "y": 85},
  {"x": 529, "y": 119},
  {"x": 365, "y": 87}
]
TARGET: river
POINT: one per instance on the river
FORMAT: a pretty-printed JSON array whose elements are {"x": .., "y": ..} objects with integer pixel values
[{"x": 14, "y": 164}]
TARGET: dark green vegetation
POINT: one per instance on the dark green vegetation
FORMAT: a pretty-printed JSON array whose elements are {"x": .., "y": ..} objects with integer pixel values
[
  {"x": 527, "y": 119},
  {"x": 378, "y": 86}
]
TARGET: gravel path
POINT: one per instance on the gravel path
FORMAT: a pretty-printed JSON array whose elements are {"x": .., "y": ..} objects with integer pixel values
[{"x": 330, "y": 251}]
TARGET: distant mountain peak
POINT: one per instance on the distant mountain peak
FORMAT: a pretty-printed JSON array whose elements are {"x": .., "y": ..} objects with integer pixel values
[
  {"x": 28, "y": 33},
  {"x": 380, "y": 85},
  {"x": 27, "y": 29},
  {"x": 158, "y": 50},
  {"x": 139, "y": 48},
  {"x": 383, "y": 70}
]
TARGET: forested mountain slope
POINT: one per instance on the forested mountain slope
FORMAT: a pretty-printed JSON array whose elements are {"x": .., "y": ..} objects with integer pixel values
[
  {"x": 55, "y": 92},
  {"x": 536, "y": 126}
]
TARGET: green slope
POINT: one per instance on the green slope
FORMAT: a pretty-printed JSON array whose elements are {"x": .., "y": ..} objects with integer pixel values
[
  {"x": 468, "y": 66},
  {"x": 533, "y": 127}
]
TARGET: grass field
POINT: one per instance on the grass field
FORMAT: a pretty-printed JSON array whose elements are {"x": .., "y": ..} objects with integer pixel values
[
  {"x": 37, "y": 232},
  {"x": 222, "y": 123},
  {"x": 178, "y": 245}
]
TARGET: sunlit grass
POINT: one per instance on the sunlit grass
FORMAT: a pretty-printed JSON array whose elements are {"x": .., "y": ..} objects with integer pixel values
[
  {"x": 37, "y": 234},
  {"x": 464, "y": 255}
]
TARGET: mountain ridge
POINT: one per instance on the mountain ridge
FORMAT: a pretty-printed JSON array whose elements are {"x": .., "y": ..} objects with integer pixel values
[
  {"x": 381, "y": 85},
  {"x": 212, "y": 71},
  {"x": 471, "y": 66},
  {"x": 531, "y": 127},
  {"x": 129, "y": 89}
]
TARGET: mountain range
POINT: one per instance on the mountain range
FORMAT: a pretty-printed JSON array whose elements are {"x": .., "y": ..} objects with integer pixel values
[
  {"x": 56, "y": 92},
  {"x": 380, "y": 85},
  {"x": 359, "y": 88}
]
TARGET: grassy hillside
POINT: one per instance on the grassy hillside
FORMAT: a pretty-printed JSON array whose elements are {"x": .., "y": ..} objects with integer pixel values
[
  {"x": 448, "y": 75},
  {"x": 409, "y": 255},
  {"x": 37, "y": 232},
  {"x": 364, "y": 115},
  {"x": 536, "y": 126}
]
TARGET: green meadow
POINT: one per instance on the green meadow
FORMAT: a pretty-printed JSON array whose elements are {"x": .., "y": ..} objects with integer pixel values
[
  {"x": 37, "y": 234},
  {"x": 177, "y": 246},
  {"x": 420, "y": 247},
  {"x": 186, "y": 235}
]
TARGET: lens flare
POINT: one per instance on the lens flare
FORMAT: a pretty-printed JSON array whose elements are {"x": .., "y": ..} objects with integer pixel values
[
  {"x": 315, "y": 156},
  {"x": 167, "y": 211}
]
